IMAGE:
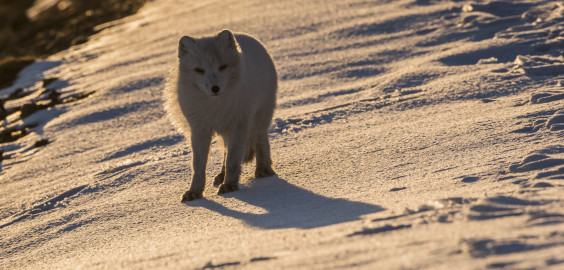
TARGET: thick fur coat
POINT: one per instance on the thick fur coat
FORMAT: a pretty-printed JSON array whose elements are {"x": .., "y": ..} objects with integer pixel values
[{"x": 225, "y": 85}]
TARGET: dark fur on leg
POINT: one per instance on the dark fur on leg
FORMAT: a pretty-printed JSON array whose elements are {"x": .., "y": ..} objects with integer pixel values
[
  {"x": 219, "y": 178},
  {"x": 249, "y": 155}
]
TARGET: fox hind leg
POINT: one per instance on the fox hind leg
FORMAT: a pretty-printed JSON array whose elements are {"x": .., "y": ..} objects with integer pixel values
[
  {"x": 264, "y": 162},
  {"x": 221, "y": 176},
  {"x": 236, "y": 148}
]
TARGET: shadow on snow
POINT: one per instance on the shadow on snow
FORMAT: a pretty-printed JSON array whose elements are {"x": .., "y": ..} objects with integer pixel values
[{"x": 289, "y": 206}]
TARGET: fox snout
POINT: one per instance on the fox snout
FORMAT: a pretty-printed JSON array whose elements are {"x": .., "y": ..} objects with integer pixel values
[
  {"x": 214, "y": 85},
  {"x": 213, "y": 88}
]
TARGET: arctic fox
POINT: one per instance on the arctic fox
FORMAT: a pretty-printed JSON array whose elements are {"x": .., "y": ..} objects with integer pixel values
[{"x": 225, "y": 85}]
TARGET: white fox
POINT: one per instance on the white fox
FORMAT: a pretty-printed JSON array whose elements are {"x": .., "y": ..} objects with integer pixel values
[{"x": 225, "y": 85}]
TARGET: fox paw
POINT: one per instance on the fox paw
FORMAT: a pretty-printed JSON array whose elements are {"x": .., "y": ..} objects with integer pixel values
[
  {"x": 219, "y": 179},
  {"x": 191, "y": 195},
  {"x": 264, "y": 172},
  {"x": 224, "y": 188}
]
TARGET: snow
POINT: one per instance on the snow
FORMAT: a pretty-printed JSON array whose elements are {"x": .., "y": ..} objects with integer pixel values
[{"x": 408, "y": 134}]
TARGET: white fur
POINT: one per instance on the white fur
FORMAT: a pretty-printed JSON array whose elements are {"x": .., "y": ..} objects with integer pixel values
[{"x": 240, "y": 110}]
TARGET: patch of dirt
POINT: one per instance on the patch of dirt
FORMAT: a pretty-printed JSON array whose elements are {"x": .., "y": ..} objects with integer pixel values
[{"x": 67, "y": 22}]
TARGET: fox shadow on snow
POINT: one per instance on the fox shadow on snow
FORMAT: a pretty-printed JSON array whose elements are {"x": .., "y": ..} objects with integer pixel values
[{"x": 288, "y": 206}]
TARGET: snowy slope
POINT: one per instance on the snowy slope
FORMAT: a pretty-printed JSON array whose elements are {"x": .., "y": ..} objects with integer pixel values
[{"x": 409, "y": 134}]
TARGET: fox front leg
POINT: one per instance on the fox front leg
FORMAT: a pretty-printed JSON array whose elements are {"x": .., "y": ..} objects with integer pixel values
[{"x": 200, "y": 150}]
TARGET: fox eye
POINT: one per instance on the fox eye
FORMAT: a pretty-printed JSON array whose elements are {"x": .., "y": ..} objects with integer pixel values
[
  {"x": 222, "y": 67},
  {"x": 199, "y": 70}
]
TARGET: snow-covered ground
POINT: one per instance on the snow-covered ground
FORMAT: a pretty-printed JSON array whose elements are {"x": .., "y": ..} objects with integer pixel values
[{"x": 420, "y": 134}]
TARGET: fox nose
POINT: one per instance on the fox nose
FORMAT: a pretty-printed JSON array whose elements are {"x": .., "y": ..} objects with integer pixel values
[{"x": 215, "y": 89}]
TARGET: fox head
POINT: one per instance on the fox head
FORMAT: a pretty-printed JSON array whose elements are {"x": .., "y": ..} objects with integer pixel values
[{"x": 211, "y": 64}]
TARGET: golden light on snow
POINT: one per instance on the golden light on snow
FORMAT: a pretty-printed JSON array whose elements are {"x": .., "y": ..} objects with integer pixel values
[{"x": 407, "y": 134}]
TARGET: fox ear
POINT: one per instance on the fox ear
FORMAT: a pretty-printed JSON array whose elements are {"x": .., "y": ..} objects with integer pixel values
[
  {"x": 184, "y": 45},
  {"x": 227, "y": 38}
]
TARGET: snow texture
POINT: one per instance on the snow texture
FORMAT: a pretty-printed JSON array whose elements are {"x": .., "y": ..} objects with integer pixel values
[{"x": 410, "y": 134}]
